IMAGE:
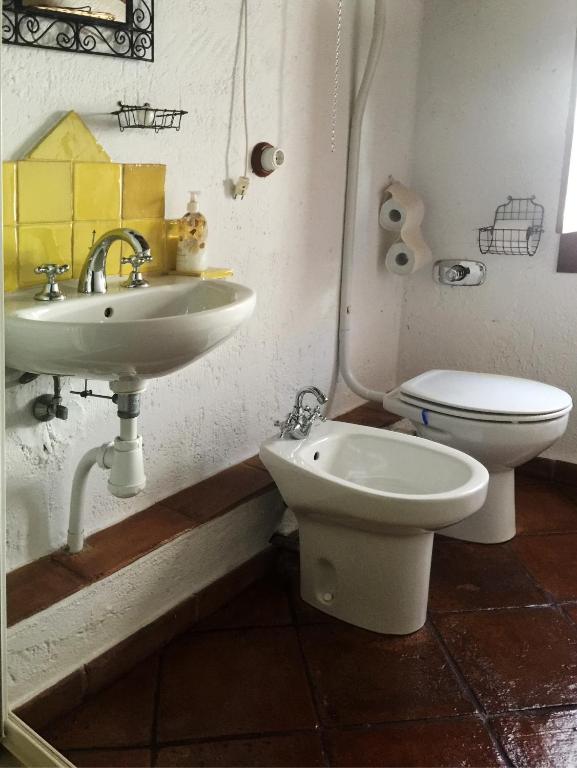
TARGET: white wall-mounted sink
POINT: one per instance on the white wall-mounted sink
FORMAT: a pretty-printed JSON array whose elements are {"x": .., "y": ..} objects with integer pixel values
[{"x": 123, "y": 334}]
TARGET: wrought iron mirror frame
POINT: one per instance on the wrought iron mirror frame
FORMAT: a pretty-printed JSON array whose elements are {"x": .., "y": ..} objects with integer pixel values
[{"x": 130, "y": 39}]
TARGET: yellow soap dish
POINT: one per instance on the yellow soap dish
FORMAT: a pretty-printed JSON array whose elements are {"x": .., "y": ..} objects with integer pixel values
[{"x": 210, "y": 273}]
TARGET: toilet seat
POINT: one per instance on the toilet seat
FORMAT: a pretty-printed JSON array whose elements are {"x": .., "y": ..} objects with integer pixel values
[{"x": 484, "y": 397}]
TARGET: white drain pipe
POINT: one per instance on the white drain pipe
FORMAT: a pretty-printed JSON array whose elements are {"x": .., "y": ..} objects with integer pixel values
[
  {"x": 358, "y": 113},
  {"x": 125, "y": 460}
]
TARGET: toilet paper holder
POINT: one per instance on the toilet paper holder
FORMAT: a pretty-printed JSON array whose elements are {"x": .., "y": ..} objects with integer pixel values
[{"x": 452, "y": 272}]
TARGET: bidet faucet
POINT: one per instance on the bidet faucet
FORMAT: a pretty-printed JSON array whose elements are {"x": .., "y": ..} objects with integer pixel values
[
  {"x": 93, "y": 276},
  {"x": 300, "y": 420}
]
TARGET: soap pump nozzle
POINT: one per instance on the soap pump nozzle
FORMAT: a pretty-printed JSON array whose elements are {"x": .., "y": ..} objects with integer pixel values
[{"x": 193, "y": 202}]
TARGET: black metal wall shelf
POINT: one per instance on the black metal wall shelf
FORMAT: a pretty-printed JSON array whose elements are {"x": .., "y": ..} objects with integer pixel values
[{"x": 146, "y": 117}]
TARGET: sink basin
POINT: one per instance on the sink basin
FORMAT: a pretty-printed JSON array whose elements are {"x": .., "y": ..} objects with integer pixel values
[
  {"x": 368, "y": 502},
  {"x": 123, "y": 334}
]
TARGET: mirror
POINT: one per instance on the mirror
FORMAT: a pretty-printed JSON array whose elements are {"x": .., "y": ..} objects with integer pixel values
[
  {"x": 103, "y": 10},
  {"x": 121, "y": 28}
]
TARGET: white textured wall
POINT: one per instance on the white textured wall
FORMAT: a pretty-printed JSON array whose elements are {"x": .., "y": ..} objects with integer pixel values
[
  {"x": 284, "y": 239},
  {"x": 493, "y": 99}
]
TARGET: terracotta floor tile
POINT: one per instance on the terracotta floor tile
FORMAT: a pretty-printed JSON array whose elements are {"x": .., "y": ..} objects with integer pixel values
[
  {"x": 552, "y": 562},
  {"x": 571, "y": 611},
  {"x": 119, "y": 716},
  {"x": 542, "y": 508},
  {"x": 539, "y": 739},
  {"x": 220, "y": 493},
  {"x": 55, "y": 701},
  {"x": 516, "y": 658},
  {"x": 37, "y": 586},
  {"x": 539, "y": 468},
  {"x": 121, "y": 658},
  {"x": 264, "y": 604},
  {"x": 235, "y": 682},
  {"x": 456, "y": 742},
  {"x": 303, "y": 612},
  {"x": 222, "y": 591},
  {"x": 470, "y": 576},
  {"x": 566, "y": 473},
  {"x": 369, "y": 415},
  {"x": 293, "y": 749},
  {"x": 361, "y": 677},
  {"x": 119, "y": 545},
  {"x": 121, "y": 758}
]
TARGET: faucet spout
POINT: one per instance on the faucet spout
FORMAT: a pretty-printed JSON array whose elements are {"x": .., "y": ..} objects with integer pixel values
[
  {"x": 93, "y": 276},
  {"x": 320, "y": 396}
]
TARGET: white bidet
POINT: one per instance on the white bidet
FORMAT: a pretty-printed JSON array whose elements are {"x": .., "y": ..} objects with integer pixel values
[{"x": 368, "y": 503}]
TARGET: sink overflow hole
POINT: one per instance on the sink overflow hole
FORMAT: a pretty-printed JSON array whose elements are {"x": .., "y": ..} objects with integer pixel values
[
  {"x": 316, "y": 456},
  {"x": 108, "y": 312}
]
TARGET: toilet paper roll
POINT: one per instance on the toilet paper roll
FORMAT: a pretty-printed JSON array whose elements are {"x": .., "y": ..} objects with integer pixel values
[
  {"x": 403, "y": 260},
  {"x": 392, "y": 215},
  {"x": 402, "y": 208}
]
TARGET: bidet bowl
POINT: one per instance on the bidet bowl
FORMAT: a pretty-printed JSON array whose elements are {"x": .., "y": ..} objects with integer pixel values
[
  {"x": 376, "y": 478},
  {"x": 368, "y": 502},
  {"x": 123, "y": 334}
]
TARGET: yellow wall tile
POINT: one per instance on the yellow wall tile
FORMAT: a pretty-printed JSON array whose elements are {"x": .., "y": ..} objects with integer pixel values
[
  {"x": 9, "y": 194},
  {"x": 82, "y": 240},
  {"x": 69, "y": 139},
  {"x": 44, "y": 192},
  {"x": 172, "y": 240},
  {"x": 42, "y": 244},
  {"x": 154, "y": 232},
  {"x": 10, "y": 257},
  {"x": 143, "y": 191},
  {"x": 97, "y": 191}
]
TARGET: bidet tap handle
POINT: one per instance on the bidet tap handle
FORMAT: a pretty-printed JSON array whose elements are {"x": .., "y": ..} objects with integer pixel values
[{"x": 302, "y": 417}]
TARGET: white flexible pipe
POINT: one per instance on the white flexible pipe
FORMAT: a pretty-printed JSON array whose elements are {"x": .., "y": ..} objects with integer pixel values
[
  {"x": 76, "y": 523},
  {"x": 124, "y": 459},
  {"x": 351, "y": 208}
]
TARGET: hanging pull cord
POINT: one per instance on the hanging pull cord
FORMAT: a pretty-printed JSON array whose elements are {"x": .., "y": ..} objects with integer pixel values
[
  {"x": 241, "y": 185},
  {"x": 336, "y": 88}
]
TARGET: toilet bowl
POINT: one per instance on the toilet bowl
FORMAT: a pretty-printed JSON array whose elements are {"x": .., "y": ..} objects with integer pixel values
[
  {"x": 368, "y": 502},
  {"x": 500, "y": 420}
]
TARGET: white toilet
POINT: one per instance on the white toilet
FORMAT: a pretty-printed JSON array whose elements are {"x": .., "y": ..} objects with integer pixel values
[{"x": 500, "y": 420}]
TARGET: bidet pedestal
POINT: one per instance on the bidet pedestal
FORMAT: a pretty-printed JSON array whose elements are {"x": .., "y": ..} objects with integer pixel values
[
  {"x": 372, "y": 580},
  {"x": 494, "y": 523}
]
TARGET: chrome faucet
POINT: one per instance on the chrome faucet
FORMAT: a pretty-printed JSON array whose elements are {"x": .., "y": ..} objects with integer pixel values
[
  {"x": 300, "y": 420},
  {"x": 93, "y": 276}
]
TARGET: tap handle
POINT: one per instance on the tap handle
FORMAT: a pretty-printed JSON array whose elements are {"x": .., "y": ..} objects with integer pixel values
[
  {"x": 51, "y": 271},
  {"x": 137, "y": 260},
  {"x": 51, "y": 290}
]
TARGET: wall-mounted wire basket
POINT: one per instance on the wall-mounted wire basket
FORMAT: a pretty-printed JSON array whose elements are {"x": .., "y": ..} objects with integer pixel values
[
  {"x": 147, "y": 117},
  {"x": 516, "y": 230}
]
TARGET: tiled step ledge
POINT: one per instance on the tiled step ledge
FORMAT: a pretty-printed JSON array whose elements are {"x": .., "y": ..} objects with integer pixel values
[
  {"x": 66, "y": 610},
  {"x": 102, "y": 671}
]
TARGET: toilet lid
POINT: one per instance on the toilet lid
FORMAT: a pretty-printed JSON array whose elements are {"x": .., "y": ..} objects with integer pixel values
[{"x": 487, "y": 393}]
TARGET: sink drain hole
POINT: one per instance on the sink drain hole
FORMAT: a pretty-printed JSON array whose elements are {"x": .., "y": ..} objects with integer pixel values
[
  {"x": 316, "y": 456},
  {"x": 108, "y": 312}
]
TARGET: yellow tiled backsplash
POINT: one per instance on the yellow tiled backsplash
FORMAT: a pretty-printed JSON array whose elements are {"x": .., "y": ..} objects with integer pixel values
[{"x": 66, "y": 194}]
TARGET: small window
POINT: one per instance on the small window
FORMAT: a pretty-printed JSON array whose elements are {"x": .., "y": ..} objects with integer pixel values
[{"x": 567, "y": 217}]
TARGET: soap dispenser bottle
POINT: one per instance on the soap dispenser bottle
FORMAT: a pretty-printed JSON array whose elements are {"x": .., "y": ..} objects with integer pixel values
[{"x": 191, "y": 255}]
